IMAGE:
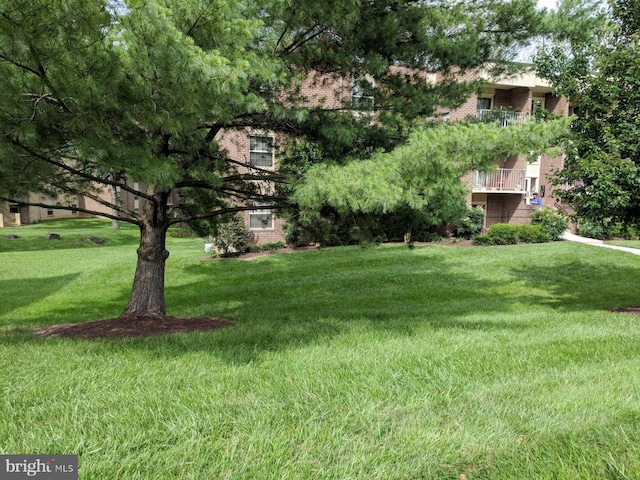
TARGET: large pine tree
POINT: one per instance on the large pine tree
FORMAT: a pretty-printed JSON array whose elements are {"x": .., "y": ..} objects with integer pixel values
[{"x": 105, "y": 93}]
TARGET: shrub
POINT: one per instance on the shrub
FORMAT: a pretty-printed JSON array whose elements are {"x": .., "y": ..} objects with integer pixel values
[
  {"x": 471, "y": 224},
  {"x": 182, "y": 232},
  {"x": 266, "y": 246},
  {"x": 504, "y": 234},
  {"x": 554, "y": 222},
  {"x": 591, "y": 229},
  {"x": 231, "y": 236},
  {"x": 533, "y": 234},
  {"x": 482, "y": 240},
  {"x": 607, "y": 228}
]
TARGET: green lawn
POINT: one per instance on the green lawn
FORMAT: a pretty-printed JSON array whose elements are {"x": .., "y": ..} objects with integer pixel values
[
  {"x": 624, "y": 243},
  {"x": 348, "y": 363}
]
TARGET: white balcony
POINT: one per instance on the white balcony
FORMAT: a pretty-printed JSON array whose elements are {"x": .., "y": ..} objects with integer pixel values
[
  {"x": 503, "y": 180},
  {"x": 502, "y": 117}
]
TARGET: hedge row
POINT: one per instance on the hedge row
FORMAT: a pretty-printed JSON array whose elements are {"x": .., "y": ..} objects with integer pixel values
[{"x": 507, "y": 234}]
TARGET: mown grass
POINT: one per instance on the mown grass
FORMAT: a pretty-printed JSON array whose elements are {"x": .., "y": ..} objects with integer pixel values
[
  {"x": 625, "y": 243},
  {"x": 346, "y": 363}
]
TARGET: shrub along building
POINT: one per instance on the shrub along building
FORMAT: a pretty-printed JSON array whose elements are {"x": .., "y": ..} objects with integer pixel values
[{"x": 504, "y": 193}]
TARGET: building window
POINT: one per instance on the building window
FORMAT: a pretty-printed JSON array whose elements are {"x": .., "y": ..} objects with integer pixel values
[
  {"x": 362, "y": 94},
  {"x": 74, "y": 210},
  {"x": 261, "y": 219},
  {"x": 14, "y": 208},
  {"x": 49, "y": 212},
  {"x": 261, "y": 151},
  {"x": 483, "y": 103}
]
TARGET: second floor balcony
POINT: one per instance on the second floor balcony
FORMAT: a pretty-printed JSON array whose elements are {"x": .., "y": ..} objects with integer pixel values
[
  {"x": 503, "y": 180},
  {"x": 503, "y": 117}
]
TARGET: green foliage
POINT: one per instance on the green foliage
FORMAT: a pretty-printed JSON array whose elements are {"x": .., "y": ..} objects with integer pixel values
[
  {"x": 600, "y": 74},
  {"x": 508, "y": 234},
  {"x": 425, "y": 172},
  {"x": 471, "y": 224},
  {"x": 231, "y": 236},
  {"x": 533, "y": 234},
  {"x": 591, "y": 229},
  {"x": 482, "y": 240},
  {"x": 182, "y": 232},
  {"x": 607, "y": 228},
  {"x": 553, "y": 221},
  {"x": 504, "y": 234},
  {"x": 265, "y": 247}
]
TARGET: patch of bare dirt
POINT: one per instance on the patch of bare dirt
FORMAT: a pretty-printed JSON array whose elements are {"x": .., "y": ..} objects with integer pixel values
[
  {"x": 632, "y": 310},
  {"x": 139, "y": 326}
]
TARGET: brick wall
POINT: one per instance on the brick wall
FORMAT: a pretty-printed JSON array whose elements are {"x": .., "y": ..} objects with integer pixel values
[
  {"x": 556, "y": 105},
  {"x": 507, "y": 208},
  {"x": 548, "y": 166}
]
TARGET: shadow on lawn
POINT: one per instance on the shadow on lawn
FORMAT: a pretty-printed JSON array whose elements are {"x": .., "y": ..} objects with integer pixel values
[
  {"x": 281, "y": 301},
  {"x": 583, "y": 285},
  {"x": 17, "y": 293}
]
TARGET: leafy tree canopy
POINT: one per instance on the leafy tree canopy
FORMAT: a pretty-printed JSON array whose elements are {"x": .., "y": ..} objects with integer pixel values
[{"x": 601, "y": 76}]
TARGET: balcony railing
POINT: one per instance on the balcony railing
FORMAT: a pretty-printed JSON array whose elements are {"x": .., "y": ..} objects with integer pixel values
[
  {"x": 502, "y": 117},
  {"x": 504, "y": 180}
]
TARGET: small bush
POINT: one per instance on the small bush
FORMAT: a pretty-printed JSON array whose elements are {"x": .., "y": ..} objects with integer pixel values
[
  {"x": 504, "y": 234},
  {"x": 482, "y": 240},
  {"x": 182, "y": 232},
  {"x": 231, "y": 237},
  {"x": 471, "y": 224},
  {"x": 266, "y": 246},
  {"x": 607, "y": 228},
  {"x": 554, "y": 223},
  {"x": 533, "y": 234},
  {"x": 590, "y": 229}
]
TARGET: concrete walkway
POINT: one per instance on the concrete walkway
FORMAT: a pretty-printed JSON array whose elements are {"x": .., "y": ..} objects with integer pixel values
[{"x": 570, "y": 237}]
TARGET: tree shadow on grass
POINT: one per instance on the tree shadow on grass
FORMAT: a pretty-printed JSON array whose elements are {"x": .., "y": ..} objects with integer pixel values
[
  {"x": 22, "y": 292},
  {"x": 583, "y": 284},
  {"x": 288, "y": 301},
  {"x": 279, "y": 303}
]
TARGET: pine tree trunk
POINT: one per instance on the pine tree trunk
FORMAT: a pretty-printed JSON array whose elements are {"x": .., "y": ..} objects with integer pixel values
[{"x": 147, "y": 293}]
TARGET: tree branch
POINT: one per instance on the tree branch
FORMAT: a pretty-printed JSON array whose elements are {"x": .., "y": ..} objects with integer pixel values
[
  {"x": 79, "y": 173},
  {"x": 20, "y": 65}
]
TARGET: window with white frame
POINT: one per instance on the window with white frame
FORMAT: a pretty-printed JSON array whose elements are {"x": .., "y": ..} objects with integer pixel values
[
  {"x": 362, "y": 93},
  {"x": 261, "y": 218},
  {"x": 261, "y": 151}
]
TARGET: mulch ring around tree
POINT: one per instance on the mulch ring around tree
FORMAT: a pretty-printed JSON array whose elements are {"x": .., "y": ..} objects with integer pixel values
[
  {"x": 152, "y": 326},
  {"x": 139, "y": 326}
]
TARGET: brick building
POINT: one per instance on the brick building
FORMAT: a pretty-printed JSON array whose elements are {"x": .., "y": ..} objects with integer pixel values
[{"x": 504, "y": 193}]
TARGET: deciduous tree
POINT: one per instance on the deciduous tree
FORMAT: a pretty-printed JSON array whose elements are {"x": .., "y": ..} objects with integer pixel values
[{"x": 601, "y": 76}]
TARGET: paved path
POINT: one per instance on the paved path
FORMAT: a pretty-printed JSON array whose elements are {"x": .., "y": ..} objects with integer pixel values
[{"x": 570, "y": 237}]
